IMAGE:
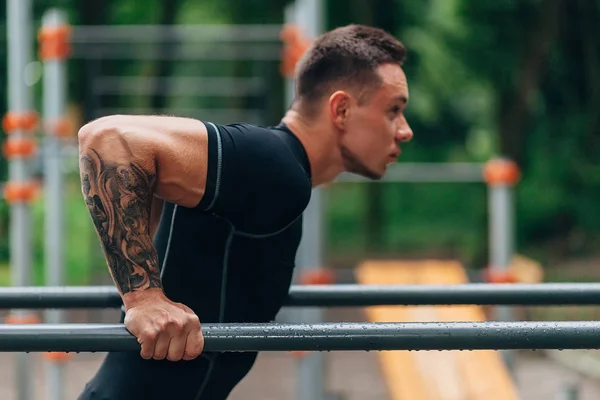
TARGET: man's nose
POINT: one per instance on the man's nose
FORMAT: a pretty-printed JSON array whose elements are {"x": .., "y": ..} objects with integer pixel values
[{"x": 403, "y": 131}]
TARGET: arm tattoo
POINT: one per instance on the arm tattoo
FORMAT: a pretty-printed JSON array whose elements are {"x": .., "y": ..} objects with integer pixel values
[{"x": 119, "y": 199}]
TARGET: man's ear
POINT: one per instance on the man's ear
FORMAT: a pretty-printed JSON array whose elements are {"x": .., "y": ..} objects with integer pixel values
[{"x": 339, "y": 108}]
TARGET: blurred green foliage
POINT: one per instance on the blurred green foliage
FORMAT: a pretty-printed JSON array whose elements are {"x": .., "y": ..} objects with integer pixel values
[{"x": 518, "y": 78}]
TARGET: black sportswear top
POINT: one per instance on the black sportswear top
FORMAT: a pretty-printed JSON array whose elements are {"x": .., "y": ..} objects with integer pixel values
[
  {"x": 231, "y": 257},
  {"x": 258, "y": 178}
]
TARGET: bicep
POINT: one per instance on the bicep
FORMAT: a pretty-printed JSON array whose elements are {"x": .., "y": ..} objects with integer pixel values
[
  {"x": 181, "y": 149},
  {"x": 170, "y": 151}
]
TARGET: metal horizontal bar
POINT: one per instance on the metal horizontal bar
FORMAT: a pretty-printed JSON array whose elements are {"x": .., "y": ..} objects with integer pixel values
[
  {"x": 218, "y": 115},
  {"x": 318, "y": 336},
  {"x": 252, "y": 52},
  {"x": 59, "y": 297},
  {"x": 425, "y": 172},
  {"x": 177, "y": 86},
  {"x": 544, "y": 294},
  {"x": 161, "y": 33}
]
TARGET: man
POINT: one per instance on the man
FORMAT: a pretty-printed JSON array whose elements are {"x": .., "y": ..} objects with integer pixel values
[{"x": 201, "y": 222}]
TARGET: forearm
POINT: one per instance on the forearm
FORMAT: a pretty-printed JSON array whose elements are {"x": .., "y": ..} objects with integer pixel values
[{"x": 117, "y": 185}]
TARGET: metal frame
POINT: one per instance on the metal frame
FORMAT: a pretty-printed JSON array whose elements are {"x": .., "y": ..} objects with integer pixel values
[
  {"x": 87, "y": 34},
  {"x": 309, "y": 16},
  {"x": 318, "y": 336},
  {"x": 254, "y": 43},
  {"x": 252, "y": 52},
  {"x": 177, "y": 86},
  {"x": 248, "y": 115},
  {"x": 54, "y": 109},
  {"x": 20, "y": 44},
  {"x": 425, "y": 173},
  {"x": 338, "y": 295}
]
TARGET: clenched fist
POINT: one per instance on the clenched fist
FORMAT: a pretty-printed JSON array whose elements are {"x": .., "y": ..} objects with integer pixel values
[{"x": 165, "y": 329}]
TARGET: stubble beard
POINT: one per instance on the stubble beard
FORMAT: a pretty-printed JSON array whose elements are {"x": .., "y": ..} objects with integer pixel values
[{"x": 353, "y": 165}]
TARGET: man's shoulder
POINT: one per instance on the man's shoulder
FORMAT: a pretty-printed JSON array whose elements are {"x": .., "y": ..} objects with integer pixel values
[
  {"x": 263, "y": 178},
  {"x": 244, "y": 128},
  {"x": 257, "y": 142}
]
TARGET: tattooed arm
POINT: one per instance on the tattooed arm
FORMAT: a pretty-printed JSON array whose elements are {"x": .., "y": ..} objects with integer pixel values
[
  {"x": 119, "y": 197},
  {"x": 124, "y": 163},
  {"x": 127, "y": 164}
]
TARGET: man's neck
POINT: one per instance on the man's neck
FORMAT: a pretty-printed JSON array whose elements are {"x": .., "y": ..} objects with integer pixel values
[{"x": 320, "y": 146}]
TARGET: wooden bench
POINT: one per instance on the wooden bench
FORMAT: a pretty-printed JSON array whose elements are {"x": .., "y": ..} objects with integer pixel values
[{"x": 434, "y": 375}]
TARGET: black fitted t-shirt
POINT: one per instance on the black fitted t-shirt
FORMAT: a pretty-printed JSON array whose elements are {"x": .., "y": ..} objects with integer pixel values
[
  {"x": 231, "y": 257},
  {"x": 258, "y": 178}
]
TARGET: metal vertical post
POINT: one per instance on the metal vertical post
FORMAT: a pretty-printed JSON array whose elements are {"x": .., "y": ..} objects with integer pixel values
[
  {"x": 311, "y": 368},
  {"x": 306, "y": 14},
  {"x": 19, "y": 123},
  {"x": 501, "y": 176},
  {"x": 290, "y": 18},
  {"x": 53, "y": 45}
]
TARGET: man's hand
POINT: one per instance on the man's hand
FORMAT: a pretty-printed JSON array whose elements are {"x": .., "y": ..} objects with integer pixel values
[{"x": 165, "y": 329}]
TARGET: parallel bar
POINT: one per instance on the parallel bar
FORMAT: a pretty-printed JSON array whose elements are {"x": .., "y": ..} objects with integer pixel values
[
  {"x": 254, "y": 51},
  {"x": 426, "y": 172},
  {"x": 319, "y": 336},
  {"x": 542, "y": 294},
  {"x": 178, "y": 86},
  {"x": 160, "y": 33},
  {"x": 217, "y": 115},
  {"x": 403, "y": 172}
]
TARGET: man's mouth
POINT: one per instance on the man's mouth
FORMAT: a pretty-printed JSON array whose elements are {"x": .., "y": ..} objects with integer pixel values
[{"x": 394, "y": 156}]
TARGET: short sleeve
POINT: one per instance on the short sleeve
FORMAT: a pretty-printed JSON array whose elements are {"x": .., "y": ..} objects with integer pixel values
[{"x": 253, "y": 179}]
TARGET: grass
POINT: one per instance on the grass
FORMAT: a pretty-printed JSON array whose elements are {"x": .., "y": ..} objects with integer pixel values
[
  {"x": 4, "y": 275},
  {"x": 417, "y": 218}
]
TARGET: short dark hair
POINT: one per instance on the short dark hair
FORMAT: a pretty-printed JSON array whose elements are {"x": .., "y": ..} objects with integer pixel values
[{"x": 346, "y": 56}]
